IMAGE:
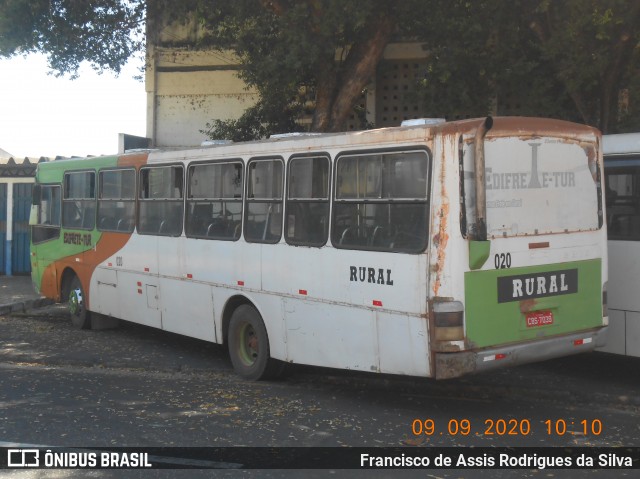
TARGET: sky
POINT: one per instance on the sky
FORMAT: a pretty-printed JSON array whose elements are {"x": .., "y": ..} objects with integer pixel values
[{"x": 41, "y": 115}]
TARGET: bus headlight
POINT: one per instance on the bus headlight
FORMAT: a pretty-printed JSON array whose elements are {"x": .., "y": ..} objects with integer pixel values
[{"x": 448, "y": 319}]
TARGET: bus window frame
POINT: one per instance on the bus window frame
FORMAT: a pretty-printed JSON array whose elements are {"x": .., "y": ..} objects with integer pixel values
[
  {"x": 69, "y": 173},
  {"x": 141, "y": 201},
  {"x": 335, "y": 201},
  {"x": 248, "y": 201},
  {"x": 134, "y": 199},
  {"x": 289, "y": 200},
  {"x": 627, "y": 163},
  {"x": 464, "y": 227},
  {"x": 48, "y": 227},
  {"x": 189, "y": 198}
]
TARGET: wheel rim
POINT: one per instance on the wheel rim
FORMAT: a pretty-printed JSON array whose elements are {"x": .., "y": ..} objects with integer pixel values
[
  {"x": 75, "y": 301},
  {"x": 249, "y": 346}
]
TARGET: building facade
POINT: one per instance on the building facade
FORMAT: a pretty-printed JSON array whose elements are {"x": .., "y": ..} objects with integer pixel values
[{"x": 188, "y": 87}]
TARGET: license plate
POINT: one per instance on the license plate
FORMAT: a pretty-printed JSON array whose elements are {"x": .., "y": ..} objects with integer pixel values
[{"x": 539, "y": 318}]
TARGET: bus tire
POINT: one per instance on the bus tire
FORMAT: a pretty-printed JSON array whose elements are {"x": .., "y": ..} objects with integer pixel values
[
  {"x": 249, "y": 345},
  {"x": 80, "y": 317}
]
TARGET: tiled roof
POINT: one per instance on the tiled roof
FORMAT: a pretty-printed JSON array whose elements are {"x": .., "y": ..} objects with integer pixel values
[
  {"x": 12, "y": 168},
  {"x": 24, "y": 161}
]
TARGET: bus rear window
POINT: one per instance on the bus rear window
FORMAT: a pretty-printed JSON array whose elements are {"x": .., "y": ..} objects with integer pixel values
[{"x": 534, "y": 186}]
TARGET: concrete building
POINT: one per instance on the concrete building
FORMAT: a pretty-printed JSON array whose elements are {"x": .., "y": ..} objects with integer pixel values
[{"x": 188, "y": 88}]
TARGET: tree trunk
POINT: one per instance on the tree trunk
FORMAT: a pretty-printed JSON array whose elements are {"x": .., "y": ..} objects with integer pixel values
[
  {"x": 325, "y": 94},
  {"x": 336, "y": 97}
]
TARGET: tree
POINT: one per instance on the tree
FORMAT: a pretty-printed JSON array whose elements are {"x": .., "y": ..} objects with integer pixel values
[
  {"x": 594, "y": 48},
  {"x": 104, "y": 33},
  {"x": 330, "y": 48},
  {"x": 486, "y": 59},
  {"x": 565, "y": 59}
]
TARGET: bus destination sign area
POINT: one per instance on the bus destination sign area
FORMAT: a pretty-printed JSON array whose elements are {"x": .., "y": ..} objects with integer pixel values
[{"x": 537, "y": 285}]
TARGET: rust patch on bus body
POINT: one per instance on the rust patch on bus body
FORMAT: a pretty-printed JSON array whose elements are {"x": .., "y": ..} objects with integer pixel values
[
  {"x": 592, "y": 158},
  {"x": 440, "y": 241},
  {"x": 528, "y": 305},
  {"x": 453, "y": 365},
  {"x": 524, "y": 127},
  {"x": 134, "y": 159},
  {"x": 441, "y": 238}
]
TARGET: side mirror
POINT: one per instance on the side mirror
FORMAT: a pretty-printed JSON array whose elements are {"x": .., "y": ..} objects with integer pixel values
[{"x": 36, "y": 195}]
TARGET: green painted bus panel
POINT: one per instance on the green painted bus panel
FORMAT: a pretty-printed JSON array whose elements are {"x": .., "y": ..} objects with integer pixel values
[
  {"x": 71, "y": 241},
  {"x": 53, "y": 171},
  {"x": 497, "y": 302},
  {"x": 478, "y": 253},
  {"x": 74, "y": 243}
]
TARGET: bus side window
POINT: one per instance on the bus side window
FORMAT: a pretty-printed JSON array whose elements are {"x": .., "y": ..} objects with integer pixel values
[
  {"x": 263, "y": 215},
  {"x": 161, "y": 204},
  {"x": 381, "y": 202},
  {"x": 307, "y": 216},
  {"x": 117, "y": 200},
  {"x": 214, "y": 201},
  {"x": 622, "y": 192},
  {"x": 79, "y": 200},
  {"x": 47, "y": 225}
]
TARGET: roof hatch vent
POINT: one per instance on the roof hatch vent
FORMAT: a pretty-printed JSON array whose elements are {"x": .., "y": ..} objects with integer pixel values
[{"x": 423, "y": 122}]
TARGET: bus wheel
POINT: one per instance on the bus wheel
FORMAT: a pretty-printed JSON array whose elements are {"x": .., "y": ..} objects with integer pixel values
[
  {"x": 249, "y": 345},
  {"x": 80, "y": 317}
]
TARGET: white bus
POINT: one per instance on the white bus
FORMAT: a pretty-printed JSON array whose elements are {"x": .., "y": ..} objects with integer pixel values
[
  {"x": 435, "y": 249},
  {"x": 622, "y": 175}
]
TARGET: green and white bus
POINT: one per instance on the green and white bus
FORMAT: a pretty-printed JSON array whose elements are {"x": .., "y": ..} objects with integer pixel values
[{"x": 434, "y": 249}]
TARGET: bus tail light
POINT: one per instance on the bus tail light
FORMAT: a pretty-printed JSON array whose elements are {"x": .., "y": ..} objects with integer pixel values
[
  {"x": 448, "y": 320},
  {"x": 605, "y": 300}
]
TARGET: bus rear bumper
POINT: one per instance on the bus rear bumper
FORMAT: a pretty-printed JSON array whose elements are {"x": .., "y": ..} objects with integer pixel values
[{"x": 451, "y": 365}]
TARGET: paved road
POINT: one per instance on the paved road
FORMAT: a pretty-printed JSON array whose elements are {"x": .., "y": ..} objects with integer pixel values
[{"x": 136, "y": 386}]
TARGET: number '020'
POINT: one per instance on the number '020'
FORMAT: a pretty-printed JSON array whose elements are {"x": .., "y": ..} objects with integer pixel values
[{"x": 502, "y": 260}]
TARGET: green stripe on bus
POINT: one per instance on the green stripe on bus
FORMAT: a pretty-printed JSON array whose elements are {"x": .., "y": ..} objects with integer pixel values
[
  {"x": 495, "y": 317},
  {"x": 53, "y": 171}
]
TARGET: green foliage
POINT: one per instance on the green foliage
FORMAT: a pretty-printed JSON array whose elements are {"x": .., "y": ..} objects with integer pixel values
[
  {"x": 103, "y": 32},
  {"x": 629, "y": 114},
  {"x": 306, "y": 58},
  {"x": 253, "y": 124},
  {"x": 288, "y": 48},
  {"x": 567, "y": 60},
  {"x": 593, "y": 48}
]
